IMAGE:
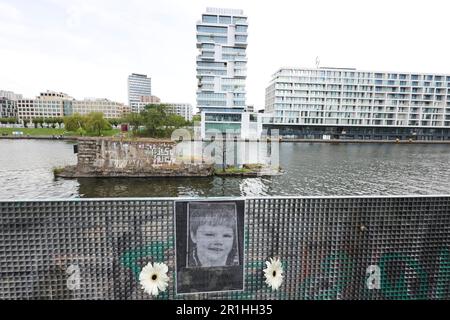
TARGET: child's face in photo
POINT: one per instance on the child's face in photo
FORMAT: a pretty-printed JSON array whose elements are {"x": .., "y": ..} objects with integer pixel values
[{"x": 214, "y": 243}]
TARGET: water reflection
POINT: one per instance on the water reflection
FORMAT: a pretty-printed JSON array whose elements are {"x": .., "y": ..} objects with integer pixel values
[
  {"x": 144, "y": 187},
  {"x": 310, "y": 169}
]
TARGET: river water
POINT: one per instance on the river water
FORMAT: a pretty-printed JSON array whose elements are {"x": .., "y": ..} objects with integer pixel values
[{"x": 311, "y": 169}]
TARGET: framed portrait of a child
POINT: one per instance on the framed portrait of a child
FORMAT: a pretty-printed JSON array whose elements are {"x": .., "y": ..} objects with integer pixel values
[{"x": 209, "y": 246}]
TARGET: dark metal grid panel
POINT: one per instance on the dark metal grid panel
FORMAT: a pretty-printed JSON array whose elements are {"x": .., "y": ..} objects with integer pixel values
[
  {"x": 325, "y": 245},
  {"x": 110, "y": 241}
]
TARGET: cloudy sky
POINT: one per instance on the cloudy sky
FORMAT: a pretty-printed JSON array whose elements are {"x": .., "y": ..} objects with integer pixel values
[{"x": 87, "y": 48}]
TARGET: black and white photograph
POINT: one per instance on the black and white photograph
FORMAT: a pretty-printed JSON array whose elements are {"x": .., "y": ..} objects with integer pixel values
[{"x": 209, "y": 246}]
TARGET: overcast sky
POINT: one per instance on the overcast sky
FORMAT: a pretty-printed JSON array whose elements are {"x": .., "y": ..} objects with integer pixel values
[{"x": 87, "y": 48}]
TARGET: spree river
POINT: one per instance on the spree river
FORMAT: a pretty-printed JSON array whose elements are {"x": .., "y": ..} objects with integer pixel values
[{"x": 311, "y": 169}]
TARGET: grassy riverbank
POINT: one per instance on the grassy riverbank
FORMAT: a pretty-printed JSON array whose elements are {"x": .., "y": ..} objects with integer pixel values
[{"x": 36, "y": 132}]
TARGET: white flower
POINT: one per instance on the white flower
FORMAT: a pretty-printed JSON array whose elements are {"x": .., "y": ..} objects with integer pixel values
[
  {"x": 153, "y": 278},
  {"x": 274, "y": 273}
]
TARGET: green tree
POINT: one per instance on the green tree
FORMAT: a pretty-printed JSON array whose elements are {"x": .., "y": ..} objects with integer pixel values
[
  {"x": 12, "y": 120},
  {"x": 4, "y": 120},
  {"x": 135, "y": 120},
  {"x": 38, "y": 121},
  {"x": 196, "y": 118},
  {"x": 50, "y": 122},
  {"x": 74, "y": 122},
  {"x": 174, "y": 121},
  {"x": 95, "y": 123},
  {"x": 155, "y": 120},
  {"x": 59, "y": 121},
  {"x": 114, "y": 122}
]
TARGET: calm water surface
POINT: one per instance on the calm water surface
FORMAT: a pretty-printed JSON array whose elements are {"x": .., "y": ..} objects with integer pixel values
[{"x": 310, "y": 169}]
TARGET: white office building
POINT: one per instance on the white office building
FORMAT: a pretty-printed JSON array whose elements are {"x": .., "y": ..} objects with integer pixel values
[
  {"x": 184, "y": 110},
  {"x": 346, "y": 103},
  {"x": 8, "y": 108},
  {"x": 10, "y": 95},
  {"x": 222, "y": 69},
  {"x": 52, "y": 104},
  {"x": 110, "y": 109},
  {"x": 48, "y": 104},
  {"x": 139, "y": 87}
]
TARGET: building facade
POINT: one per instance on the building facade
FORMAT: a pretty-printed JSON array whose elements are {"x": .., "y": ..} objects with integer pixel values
[
  {"x": 57, "y": 104},
  {"x": 8, "y": 108},
  {"x": 150, "y": 99},
  {"x": 184, "y": 110},
  {"x": 110, "y": 109},
  {"x": 222, "y": 68},
  {"x": 48, "y": 104},
  {"x": 139, "y": 87},
  {"x": 10, "y": 95},
  {"x": 348, "y": 103}
]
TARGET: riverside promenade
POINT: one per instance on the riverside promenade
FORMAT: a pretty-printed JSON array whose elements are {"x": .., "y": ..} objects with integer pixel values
[{"x": 283, "y": 140}]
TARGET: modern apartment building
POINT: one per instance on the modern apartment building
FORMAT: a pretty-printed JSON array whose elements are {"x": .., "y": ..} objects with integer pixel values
[
  {"x": 139, "y": 86},
  {"x": 110, "y": 109},
  {"x": 145, "y": 101},
  {"x": 52, "y": 104},
  {"x": 182, "y": 109},
  {"x": 8, "y": 108},
  {"x": 10, "y": 95},
  {"x": 48, "y": 104},
  {"x": 346, "y": 103},
  {"x": 150, "y": 99},
  {"x": 222, "y": 69}
]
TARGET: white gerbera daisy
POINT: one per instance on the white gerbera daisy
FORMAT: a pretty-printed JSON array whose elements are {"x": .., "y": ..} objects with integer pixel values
[
  {"x": 153, "y": 278},
  {"x": 274, "y": 273}
]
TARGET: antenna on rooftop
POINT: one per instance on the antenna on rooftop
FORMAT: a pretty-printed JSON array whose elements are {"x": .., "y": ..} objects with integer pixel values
[{"x": 317, "y": 62}]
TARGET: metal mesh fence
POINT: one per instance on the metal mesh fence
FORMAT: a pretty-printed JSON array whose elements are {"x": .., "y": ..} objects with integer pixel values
[{"x": 325, "y": 245}]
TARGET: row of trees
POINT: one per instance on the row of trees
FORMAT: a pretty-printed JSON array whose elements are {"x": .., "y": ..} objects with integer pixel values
[
  {"x": 92, "y": 123},
  {"x": 8, "y": 120},
  {"x": 155, "y": 121},
  {"x": 50, "y": 122}
]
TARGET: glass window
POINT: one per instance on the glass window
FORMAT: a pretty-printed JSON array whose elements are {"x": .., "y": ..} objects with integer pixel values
[
  {"x": 241, "y": 28},
  {"x": 209, "y": 19},
  {"x": 241, "y": 38},
  {"x": 216, "y": 39},
  {"x": 212, "y": 29},
  {"x": 232, "y": 117},
  {"x": 239, "y": 20},
  {"x": 225, "y": 19},
  {"x": 208, "y": 54}
]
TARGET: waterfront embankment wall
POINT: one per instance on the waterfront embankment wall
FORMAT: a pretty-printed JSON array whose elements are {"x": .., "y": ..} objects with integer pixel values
[{"x": 114, "y": 157}]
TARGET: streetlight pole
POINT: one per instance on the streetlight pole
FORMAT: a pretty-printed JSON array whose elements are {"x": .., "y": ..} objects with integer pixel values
[{"x": 223, "y": 151}]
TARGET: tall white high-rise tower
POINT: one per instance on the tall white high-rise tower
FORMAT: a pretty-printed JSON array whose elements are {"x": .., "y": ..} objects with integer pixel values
[{"x": 222, "y": 68}]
